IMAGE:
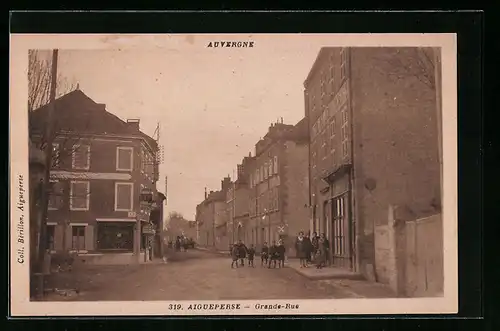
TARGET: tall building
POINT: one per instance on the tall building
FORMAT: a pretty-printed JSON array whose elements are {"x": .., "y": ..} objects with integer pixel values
[
  {"x": 278, "y": 185},
  {"x": 373, "y": 143},
  {"x": 100, "y": 167}
]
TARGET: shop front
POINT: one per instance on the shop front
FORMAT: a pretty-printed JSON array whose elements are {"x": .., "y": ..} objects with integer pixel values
[{"x": 115, "y": 236}]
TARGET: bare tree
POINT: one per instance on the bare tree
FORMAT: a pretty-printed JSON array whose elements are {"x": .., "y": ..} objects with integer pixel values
[
  {"x": 417, "y": 62},
  {"x": 67, "y": 140},
  {"x": 175, "y": 215},
  {"x": 39, "y": 77}
]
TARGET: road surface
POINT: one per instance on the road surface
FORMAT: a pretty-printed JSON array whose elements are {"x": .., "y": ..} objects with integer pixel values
[{"x": 196, "y": 275}]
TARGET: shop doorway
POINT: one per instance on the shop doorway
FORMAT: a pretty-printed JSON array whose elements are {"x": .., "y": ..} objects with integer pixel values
[{"x": 341, "y": 232}]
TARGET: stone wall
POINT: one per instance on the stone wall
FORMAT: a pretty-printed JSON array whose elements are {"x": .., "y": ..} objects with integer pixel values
[{"x": 409, "y": 255}]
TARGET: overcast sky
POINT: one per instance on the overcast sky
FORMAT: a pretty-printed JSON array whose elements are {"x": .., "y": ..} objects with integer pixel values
[{"x": 213, "y": 104}]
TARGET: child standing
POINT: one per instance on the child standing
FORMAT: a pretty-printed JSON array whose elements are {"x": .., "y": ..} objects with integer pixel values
[
  {"x": 280, "y": 250},
  {"x": 251, "y": 254},
  {"x": 273, "y": 255},
  {"x": 234, "y": 255},
  {"x": 264, "y": 255}
]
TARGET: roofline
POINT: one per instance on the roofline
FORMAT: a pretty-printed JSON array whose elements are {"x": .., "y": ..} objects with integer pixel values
[
  {"x": 108, "y": 135},
  {"x": 314, "y": 66}
]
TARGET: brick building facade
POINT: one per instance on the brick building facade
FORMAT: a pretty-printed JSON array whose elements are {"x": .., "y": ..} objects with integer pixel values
[
  {"x": 373, "y": 143},
  {"x": 101, "y": 166}
]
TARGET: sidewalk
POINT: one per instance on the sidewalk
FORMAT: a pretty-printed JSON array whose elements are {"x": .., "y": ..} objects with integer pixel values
[
  {"x": 347, "y": 281},
  {"x": 325, "y": 273}
]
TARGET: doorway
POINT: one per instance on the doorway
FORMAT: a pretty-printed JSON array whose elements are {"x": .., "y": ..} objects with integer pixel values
[{"x": 341, "y": 232}]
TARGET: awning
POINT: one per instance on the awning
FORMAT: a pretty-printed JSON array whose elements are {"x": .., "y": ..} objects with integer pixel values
[{"x": 335, "y": 174}]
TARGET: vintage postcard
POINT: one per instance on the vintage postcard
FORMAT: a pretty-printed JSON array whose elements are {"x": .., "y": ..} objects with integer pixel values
[{"x": 261, "y": 174}]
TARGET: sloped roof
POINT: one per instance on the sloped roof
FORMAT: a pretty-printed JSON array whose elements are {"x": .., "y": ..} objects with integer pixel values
[{"x": 76, "y": 112}]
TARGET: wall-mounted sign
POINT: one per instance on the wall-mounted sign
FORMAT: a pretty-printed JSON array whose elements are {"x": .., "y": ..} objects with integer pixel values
[
  {"x": 132, "y": 214},
  {"x": 148, "y": 229}
]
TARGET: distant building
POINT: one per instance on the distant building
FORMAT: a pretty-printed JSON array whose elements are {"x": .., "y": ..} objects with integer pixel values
[
  {"x": 278, "y": 185},
  {"x": 211, "y": 215},
  {"x": 237, "y": 200},
  {"x": 101, "y": 165},
  {"x": 373, "y": 143}
]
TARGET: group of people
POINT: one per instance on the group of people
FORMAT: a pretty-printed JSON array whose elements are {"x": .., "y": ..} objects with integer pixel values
[
  {"x": 181, "y": 243},
  {"x": 312, "y": 249},
  {"x": 271, "y": 256}
]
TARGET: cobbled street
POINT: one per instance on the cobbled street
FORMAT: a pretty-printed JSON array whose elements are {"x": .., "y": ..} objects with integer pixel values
[{"x": 195, "y": 275}]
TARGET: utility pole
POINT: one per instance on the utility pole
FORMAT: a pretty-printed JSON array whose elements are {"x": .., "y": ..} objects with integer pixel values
[{"x": 42, "y": 221}]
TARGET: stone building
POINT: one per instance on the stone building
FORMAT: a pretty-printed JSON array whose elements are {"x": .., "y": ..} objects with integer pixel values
[
  {"x": 237, "y": 205},
  {"x": 100, "y": 167},
  {"x": 373, "y": 143},
  {"x": 211, "y": 216},
  {"x": 278, "y": 185}
]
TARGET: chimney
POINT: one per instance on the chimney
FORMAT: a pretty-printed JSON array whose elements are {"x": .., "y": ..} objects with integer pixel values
[
  {"x": 133, "y": 123},
  {"x": 206, "y": 195}
]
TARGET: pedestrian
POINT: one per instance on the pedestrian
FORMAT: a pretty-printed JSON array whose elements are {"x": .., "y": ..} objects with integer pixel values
[
  {"x": 326, "y": 243},
  {"x": 235, "y": 255},
  {"x": 281, "y": 250},
  {"x": 178, "y": 244},
  {"x": 315, "y": 246},
  {"x": 251, "y": 254},
  {"x": 321, "y": 253},
  {"x": 308, "y": 248},
  {"x": 242, "y": 252},
  {"x": 273, "y": 255},
  {"x": 185, "y": 243},
  {"x": 264, "y": 255},
  {"x": 301, "y": 249}
]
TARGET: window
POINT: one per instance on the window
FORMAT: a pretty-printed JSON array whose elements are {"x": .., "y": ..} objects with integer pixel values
[
  {"x": 124, "y": 196},
  {"x": 124, "y": 158},
  {"x": 261, "y": 173},
  {"x": 313, "y": 102},
  {"x": 78, "y": 238},
  {"x": 322, "y": 75},
  {"x": 50, "y": 237},
  {"x": 275, "y": 165},
  {"x": 270, "y": 168},
  {"x": 345, "y": 148},
  {"x": 143, "y": 163},
  {"x": 332, "y": 128},
  {"x": 56, "y": 153},
  {"x": 266, "y": 168},
  {"x": 334, "y": 156},
  {"x": 80, "y": 195},
  {"x": 251, "y": 181},
  {"x": 343, "y": 60},
  {"x": 81, "y": 157},
  {"x": 56, "y": 195},
  {"x": 257, "y": 177}
]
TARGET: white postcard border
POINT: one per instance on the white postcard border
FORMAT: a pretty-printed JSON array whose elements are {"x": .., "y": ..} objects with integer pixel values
[{"x": 19, "y": 174}]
